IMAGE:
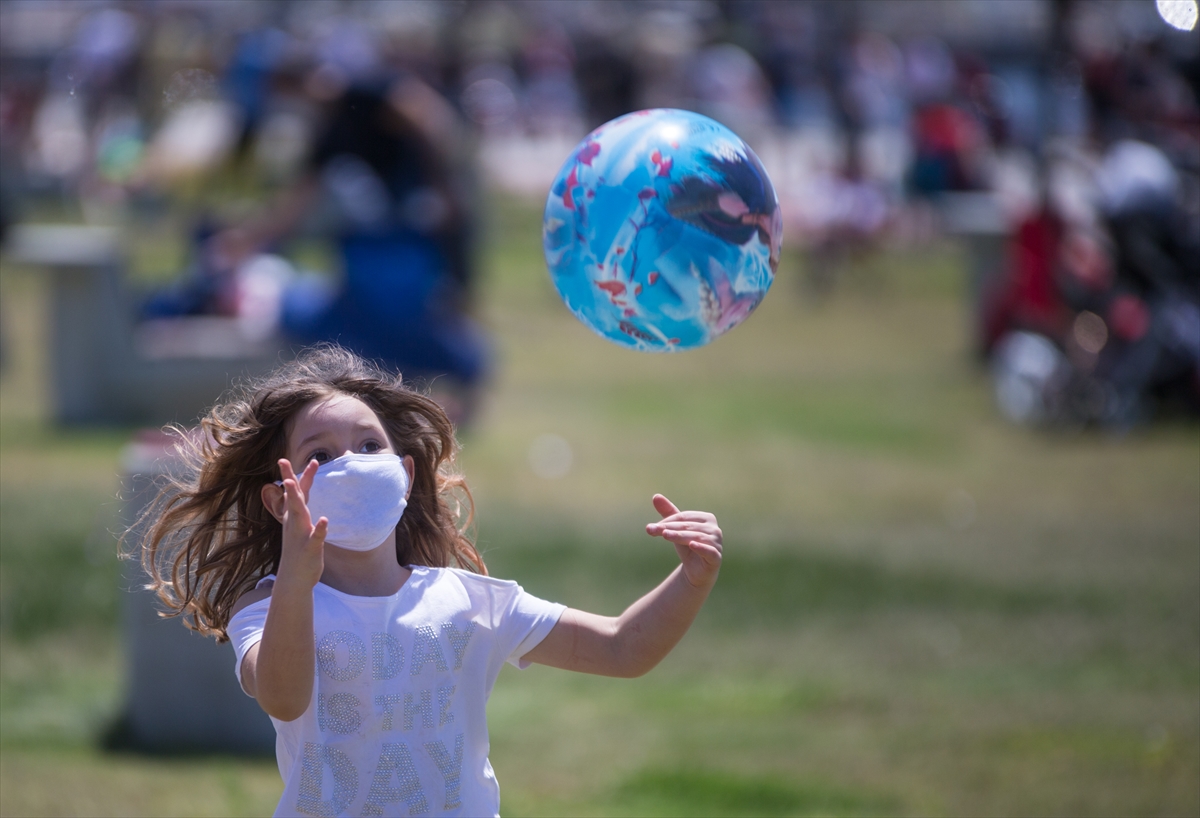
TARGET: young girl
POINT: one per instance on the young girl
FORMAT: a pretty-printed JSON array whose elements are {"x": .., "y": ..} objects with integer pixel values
[{"x": 320, "y": 534}]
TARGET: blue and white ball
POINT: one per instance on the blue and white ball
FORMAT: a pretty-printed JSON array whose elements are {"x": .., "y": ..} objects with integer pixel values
[{"x": 662, "y": 231}]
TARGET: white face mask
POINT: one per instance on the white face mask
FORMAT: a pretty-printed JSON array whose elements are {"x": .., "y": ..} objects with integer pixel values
[{"x": 362, "y": 495}]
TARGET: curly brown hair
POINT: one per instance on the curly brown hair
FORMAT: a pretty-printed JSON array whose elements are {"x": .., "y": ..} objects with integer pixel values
[{"x": 208, "y": 537}]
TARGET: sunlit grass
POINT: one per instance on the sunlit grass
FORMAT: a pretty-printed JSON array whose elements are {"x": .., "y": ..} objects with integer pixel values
[{"x": 85, "y": 781}]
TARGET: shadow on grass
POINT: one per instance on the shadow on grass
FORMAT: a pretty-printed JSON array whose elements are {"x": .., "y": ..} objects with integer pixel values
[
  {"x": 119, "y": 737},
  {"x": 714, "y": 793}
]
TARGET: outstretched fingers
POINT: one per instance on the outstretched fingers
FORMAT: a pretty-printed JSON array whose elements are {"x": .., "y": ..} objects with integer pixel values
[{"x": 295, "y": 494}]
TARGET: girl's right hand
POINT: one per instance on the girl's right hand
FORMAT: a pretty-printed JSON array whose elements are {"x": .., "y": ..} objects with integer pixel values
[{"x": 303, "y": 558}]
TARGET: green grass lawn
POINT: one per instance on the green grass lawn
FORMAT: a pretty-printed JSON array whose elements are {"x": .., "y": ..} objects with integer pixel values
[{"x": 923, "y": 611}]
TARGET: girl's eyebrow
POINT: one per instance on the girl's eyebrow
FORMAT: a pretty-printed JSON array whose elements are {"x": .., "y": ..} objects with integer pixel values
[{"x": 308, "y": 440}]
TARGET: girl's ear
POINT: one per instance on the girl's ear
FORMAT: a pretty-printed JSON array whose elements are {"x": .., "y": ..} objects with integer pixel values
[
  {"x": 410, "y": 466},
  {"x": 273, "y": 499}
]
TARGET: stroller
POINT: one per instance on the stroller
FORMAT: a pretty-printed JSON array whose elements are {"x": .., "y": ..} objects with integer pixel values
[{"x": 1101, "y": 325}]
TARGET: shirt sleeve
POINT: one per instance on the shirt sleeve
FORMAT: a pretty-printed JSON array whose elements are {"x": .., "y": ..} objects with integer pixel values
[
  {"x": 527, "y": 621},
  {"x": 245, "y": 630}
]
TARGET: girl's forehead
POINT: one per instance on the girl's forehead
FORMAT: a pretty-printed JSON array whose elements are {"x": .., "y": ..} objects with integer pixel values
[{"x": 336, "y": 411}]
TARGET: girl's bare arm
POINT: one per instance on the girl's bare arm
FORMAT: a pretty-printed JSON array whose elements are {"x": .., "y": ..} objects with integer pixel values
[
  {"x": 278, "y": 671},
  {"x": 634, "y": 642}
]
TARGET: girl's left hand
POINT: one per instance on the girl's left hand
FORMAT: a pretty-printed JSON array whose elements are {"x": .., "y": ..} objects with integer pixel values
[
  {"x": 630, "y": 644},
  {"x": 696, "y": 537}
]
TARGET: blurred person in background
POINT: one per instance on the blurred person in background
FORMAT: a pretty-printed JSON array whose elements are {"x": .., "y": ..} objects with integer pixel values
[
  {"x": 604, "y": 73},
  {"x": 383, "y": 175},
  {"x": 947, "y": 136},
  {"x": 82, "y": 99},
  {"x": 850, "y": 226},
  {"x": 553, "y": 104},
  {"x": 856, "y": 208}
]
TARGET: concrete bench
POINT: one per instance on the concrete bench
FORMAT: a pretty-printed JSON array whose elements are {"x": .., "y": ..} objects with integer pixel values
[
  {"x": 181, "y": 692},
  {"x": 106, "y": 366}
]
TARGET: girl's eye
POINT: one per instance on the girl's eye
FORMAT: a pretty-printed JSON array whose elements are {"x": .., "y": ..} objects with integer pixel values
[
  {"x": 370, "y": 447},
  {"x": 319, "y": 456}
]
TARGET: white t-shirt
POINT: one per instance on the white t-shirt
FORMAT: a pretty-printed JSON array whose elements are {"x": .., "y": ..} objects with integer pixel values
[{"x": 397, "y": 722}]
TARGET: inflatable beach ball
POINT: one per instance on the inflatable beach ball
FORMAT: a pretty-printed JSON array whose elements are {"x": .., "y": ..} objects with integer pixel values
[{"x": 662, "y": 230}]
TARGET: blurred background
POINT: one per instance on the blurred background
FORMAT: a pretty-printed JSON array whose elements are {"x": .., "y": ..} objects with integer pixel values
[{"x": 955, "y": 452}]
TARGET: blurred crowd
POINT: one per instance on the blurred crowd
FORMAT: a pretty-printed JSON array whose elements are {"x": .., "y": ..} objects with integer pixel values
[{"x": 1071, "y": 128}]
